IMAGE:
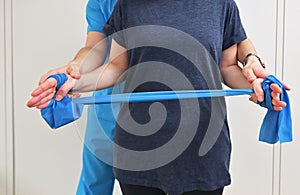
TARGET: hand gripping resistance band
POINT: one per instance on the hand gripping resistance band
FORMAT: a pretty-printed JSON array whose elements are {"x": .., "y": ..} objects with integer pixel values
[
  {"x": 276, "y": 125},
  {"x": 59, "y": 113}
]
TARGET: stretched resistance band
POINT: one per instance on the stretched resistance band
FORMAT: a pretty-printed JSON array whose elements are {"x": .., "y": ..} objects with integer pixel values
[
  {"x": 159, "y": 96},
  {"x": 277, "y": 126}
]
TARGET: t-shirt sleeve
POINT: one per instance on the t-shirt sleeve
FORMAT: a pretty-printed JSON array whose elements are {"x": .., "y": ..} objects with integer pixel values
[
  {"x": 114, "y": 25},
  {"x": 234, "y": 31},
  {"x": 94, "y": 16}
]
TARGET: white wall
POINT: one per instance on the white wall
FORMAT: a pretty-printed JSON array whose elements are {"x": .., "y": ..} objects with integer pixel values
[
  {"x": 45, "y": 34},
  {"x": 6, "y": 108},
  {"x": 290, "y": 158},
  {"x": 2, "y": 103}
]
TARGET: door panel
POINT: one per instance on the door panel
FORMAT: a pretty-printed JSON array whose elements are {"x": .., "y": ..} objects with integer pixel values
[{"x": 290, "y": 152}]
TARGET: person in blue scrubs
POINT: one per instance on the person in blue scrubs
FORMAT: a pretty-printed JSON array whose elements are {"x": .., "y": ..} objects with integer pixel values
[{"x": 97, "y": 174}]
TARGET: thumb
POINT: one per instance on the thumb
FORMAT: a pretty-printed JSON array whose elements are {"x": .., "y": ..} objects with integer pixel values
[
  {"x": 65, "y": 88},
  {"x": 249, "y": 74},
  {"x": 259, "y": 93},
  {"x": 73, "y": 71}
]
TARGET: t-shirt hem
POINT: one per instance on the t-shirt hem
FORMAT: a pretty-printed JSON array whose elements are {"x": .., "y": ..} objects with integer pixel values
[
  {"x": 95, "y": 30},
  {"x": 187, "y": 188},
  {"x": 235, "y": 41}
]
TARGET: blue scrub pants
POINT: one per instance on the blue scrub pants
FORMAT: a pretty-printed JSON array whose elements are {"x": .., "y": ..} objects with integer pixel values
[{"x": 97, "y": 176}]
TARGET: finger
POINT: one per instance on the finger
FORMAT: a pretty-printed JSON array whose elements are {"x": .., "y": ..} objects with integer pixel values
[
  {"x": 43, "y": 105},
  {"x": 46, "y": 99},
  {"x": 278, "y": 103},
  {"x": 41, "y": 98},
  {"x": 64, "y": 90},
  {"x": 275, "y": 88},
  {"x": 276, "y": 100},
  {"x": 275, "y": 96},
  {"x": 285, "y": 85},
  {"x": 277, "y": 108},
  {"x": 30, "y": 103},
  {"x": 253, "y": 98},
  {"x": 249, "y": 74},
  {"x": 258, "y": 89},
  {"x": 59, "y": 70},
  {"x": 36, "y": 99},
  {"x": 48, "y": 84},
  {"x": 45, "y": 76},
  {"x": 74, "y": 95}
]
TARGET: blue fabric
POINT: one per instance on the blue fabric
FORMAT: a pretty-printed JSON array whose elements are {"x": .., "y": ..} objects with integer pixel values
[
  {"x": 59, "y": 113},
  {"x": 97, "y": 13},
  {"x": 159, "y": 96},
  {"x": 96, "y": 176},
  {"x": 277, "y": 125}
]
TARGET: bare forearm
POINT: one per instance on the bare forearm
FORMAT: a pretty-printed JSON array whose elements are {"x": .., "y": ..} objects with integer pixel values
[
  {"x": 231, "y": 72},
  {"x": 88, "y": 59},
  {"x": 245, "y": 47},
  {"x": 107, "y": 75},
  {"x": 93, "y": 54},
  {"x": 233, "y": 77},
  {"x": 103, "y": 77}
]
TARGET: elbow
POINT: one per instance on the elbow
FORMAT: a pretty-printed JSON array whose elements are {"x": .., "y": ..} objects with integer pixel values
[{"x": 223, "y": 71}]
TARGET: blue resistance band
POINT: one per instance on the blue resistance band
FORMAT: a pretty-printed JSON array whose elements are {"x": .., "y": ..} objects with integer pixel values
[
  {"x": 159, "y": 96},
  {"x": 277, "y": 126},
  {"x": 60, "y": 113}
]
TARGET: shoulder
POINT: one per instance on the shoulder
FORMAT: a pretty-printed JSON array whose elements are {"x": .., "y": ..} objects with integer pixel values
[
  {"x": 230, "y": 3},
  {"x": 126, "y": 3},
  {"x": 221, "y": 4},
  {"x": 226, "y": 3},
  {"x": 102, "y": 3},
  {"x": 107, "y": 2},
  {"x": 93, "y": 4}
]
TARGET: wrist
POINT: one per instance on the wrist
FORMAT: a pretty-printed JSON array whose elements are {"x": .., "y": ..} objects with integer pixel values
[
  {"x": 252, "y": 58},
  {"x": 73, "y": 69}
]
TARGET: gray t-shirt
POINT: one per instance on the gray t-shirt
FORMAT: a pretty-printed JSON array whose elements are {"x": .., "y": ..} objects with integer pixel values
[{"x": 178, "y": 145}]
